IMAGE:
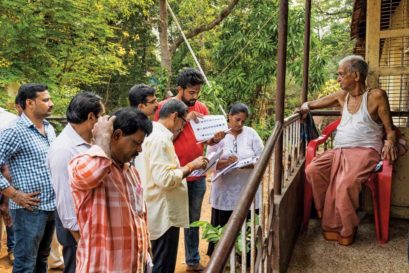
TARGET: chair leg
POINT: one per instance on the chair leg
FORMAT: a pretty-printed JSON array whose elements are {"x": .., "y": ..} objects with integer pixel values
[
  {"x": 307, "y": 204},
  {"x": 375, "y": 197},
  {"x": 384, "y": 185}
]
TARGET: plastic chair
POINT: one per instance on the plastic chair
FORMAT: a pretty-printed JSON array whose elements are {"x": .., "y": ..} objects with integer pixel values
[{"x": 380, "y": 184}]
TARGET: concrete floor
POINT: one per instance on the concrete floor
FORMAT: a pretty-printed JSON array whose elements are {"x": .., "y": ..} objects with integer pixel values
[{"x": 313, "y": 254}]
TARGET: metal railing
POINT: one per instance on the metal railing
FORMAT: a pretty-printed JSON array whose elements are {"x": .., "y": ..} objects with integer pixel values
[{"x": 256, "y": 253}]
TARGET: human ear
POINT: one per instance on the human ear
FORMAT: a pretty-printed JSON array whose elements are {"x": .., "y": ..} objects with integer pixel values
[
  {"x": 117, "y": 134},
  {"x": 179, "y": 89},
  {"x": 174, "y": 116},
  {"x": 91, "y": 116},
  {"x": 357, "y": 76}
]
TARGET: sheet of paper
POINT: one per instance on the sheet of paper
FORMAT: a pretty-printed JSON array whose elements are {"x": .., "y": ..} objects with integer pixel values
[
  {"x": 213, "y": 158},
  {"x": 208, "y": 126},
  {"x": 236, "y": 165}
]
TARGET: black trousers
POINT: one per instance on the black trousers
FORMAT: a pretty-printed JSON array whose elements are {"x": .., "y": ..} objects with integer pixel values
[
  {"x": 69, "y": 245},
  {"x": 165, "y": 250}
]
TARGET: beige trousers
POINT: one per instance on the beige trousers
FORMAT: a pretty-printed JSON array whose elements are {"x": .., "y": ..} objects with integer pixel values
[{"x": 336, "y": 178}]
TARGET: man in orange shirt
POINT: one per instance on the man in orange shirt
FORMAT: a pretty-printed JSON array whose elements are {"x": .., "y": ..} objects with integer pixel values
[{"x": 108, "y": 197}]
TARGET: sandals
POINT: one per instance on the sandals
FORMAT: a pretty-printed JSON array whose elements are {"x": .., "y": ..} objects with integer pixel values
[{"x": 335, "y": 236}]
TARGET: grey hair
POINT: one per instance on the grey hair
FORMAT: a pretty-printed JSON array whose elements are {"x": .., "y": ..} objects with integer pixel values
[
  {"x": 172, "y": 106},
  {"x": 355, "y": 63}
]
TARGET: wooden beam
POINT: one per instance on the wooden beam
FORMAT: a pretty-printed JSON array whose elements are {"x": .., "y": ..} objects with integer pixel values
[
  {"x": 393, "y": 33},
  {"x": 392, "y": 71},
  {"x": 372, "y": 39}
]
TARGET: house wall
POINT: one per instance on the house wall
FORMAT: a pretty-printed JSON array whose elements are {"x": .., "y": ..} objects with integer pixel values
[{"x": 392, "y": 54}]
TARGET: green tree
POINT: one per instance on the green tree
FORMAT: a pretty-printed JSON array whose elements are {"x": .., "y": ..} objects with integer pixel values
[{"x": 64, "y": 43}]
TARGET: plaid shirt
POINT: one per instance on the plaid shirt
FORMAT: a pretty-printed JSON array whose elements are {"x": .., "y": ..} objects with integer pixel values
[
  {"x": 111, "y": 215},
  {"x": 25, "y": 149}
]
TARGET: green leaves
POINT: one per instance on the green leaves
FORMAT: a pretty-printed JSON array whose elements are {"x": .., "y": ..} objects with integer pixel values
[
  {"x": 68, "y": 43},
  {"x": 106, "y": 46},
  {"x": 209, "y": 233},
  {"x": 213, "y": 234}
]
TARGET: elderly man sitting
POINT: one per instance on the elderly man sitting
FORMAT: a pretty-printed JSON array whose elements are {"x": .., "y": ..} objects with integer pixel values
[{"x": 337, "y": 175}]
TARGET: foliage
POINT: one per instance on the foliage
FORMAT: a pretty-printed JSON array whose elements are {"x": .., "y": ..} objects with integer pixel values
[
  {"x": 329, "y": 87},
  {"x": 64, "y": 43},
  {"x": 331, "y": 20},
  {"x": 213, "y": 234},
  {"x": 106, "y": 46},
  {"x": 134, "y": 35},
  {"x": 7, "y": 102}
]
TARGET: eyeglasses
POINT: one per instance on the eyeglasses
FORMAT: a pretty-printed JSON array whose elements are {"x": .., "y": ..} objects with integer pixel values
[
  {"x": 235, "y": 146},
  {"x": 183, "y": 118}
]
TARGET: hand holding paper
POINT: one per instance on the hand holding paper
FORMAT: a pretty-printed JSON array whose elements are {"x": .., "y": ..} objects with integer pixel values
[
  {"x": 236, "y": 165},
  {"x": 213, "y": 158},
  {"x": 208, "y": 126},
  {"x": 195, "y": 116}
]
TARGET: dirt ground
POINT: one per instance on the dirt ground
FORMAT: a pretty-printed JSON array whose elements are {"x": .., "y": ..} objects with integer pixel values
[{"x": 5, "y": 266}]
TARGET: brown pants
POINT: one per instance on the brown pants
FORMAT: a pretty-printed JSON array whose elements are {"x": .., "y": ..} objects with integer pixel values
[{"x": 336, "y": 177}]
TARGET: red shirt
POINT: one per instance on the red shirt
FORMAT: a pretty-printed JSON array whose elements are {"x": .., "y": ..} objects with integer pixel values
[
  {"x": 111, "y": 215},
  {"x": 185, "y": 144}
]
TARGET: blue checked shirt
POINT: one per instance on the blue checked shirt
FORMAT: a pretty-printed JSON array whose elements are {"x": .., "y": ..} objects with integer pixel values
[{"x": 25, "y": 149}]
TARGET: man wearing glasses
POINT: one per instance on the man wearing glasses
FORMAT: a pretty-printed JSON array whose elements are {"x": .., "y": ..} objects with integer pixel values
[
  {"x": 164, "y": 184},
  {"x": 189, "y": 83},
  {"x": 143, "y": 97}
]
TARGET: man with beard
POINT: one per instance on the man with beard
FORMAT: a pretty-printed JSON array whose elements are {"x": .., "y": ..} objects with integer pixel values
[
  {"x": 108, "y": 197},
  {"x": 24, "y": 148},
  {"x": 189, "y": 83}
]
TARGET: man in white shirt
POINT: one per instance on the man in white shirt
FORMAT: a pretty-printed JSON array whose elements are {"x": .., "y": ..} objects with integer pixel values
[
  {"x": 6, "y": 119},
  {"x": 142, "y": 97},
  {"x": 337, "y": 175},
  {"x": 165, "y": 187},
  {"x": 82, "y": 113}
]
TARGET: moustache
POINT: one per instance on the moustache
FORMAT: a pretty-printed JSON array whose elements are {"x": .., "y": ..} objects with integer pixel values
[{"x": 191, "y": 102}]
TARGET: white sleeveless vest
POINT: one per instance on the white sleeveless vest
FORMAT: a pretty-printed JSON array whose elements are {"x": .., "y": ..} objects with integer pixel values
[{"x": 359, "y": 130}]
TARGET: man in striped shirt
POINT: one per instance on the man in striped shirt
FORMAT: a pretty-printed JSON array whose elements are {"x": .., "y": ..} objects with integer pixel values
[{"x": 108, "y": 197}]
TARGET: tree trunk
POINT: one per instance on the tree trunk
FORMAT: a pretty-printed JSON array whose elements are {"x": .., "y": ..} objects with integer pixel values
[{"x": 166, "y": 58}]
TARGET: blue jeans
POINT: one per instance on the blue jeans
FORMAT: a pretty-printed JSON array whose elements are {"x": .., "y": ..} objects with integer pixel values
[
  {"x": 10, "y": 238},
  {"x": 33, "y": 233},
  {"x": 196, "y": 190}
]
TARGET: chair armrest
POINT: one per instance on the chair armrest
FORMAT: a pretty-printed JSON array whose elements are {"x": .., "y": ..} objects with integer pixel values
[{"x": 313, "y": 144}]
